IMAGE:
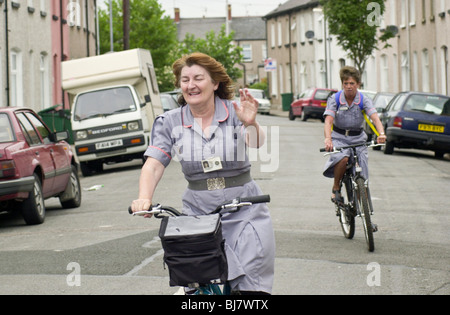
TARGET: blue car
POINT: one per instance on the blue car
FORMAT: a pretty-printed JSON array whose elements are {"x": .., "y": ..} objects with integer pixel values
[{"x": 417, "y": 120}]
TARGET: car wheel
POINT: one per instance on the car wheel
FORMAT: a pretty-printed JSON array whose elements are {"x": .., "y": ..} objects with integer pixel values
[
  {"x": 33, "y": 208},
  {"x": 291, "y": 115},
  {"x": 71, "y": 197},
  {"x": 439, "y": 154},
  {"x": 389, "y": 147},
  {"x": 304, "y": 116},
  {"x": 89, "y": 168}
]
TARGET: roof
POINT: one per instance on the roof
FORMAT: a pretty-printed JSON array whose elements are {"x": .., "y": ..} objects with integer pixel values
[
  {"x": 245, "y": 28},
  {"x": 290, "y": 6}
]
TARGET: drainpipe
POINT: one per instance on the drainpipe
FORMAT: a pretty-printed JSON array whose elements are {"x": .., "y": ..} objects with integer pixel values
[
  {"x": 86, "y": 7},
  {"x": 7, "y": 54},
  {"x": 290, "y": 53},
  {"x": 61, "y": 26}
]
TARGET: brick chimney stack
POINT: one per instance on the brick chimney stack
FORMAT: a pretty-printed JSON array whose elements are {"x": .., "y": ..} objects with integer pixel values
[{"x": 177, "y": 15}]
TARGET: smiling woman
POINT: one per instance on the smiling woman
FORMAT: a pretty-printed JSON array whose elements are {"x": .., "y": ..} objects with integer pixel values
[{"x": 202, "y": 133}]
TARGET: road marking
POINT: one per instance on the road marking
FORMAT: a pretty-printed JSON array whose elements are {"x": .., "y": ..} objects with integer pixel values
[{"x": 148, "y": 260}]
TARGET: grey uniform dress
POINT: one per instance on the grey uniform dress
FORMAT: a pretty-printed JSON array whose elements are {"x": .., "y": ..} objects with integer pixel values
[
  {"x": 348, "y": 117},
  {"x": 249, "y": 237}
]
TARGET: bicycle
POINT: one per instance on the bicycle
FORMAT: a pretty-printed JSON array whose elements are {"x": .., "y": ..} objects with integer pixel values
[
  {"x": 356, "y": 199},
  {"x": 213, "y": 285}
]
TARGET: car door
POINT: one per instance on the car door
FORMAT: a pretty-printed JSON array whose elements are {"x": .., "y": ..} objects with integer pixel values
[
  {"x": 37, "y": 154},
  {"x": 58, "y": 154}
]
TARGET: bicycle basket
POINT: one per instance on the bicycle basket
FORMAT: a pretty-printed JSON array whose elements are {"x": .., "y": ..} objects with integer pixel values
[{"x": 194, "y": 249}]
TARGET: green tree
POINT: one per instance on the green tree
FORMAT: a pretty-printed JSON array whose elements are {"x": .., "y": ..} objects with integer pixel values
[
  {"x": 149, "y": 29},
  {"x": 218, "y": 46},
  {"x": 355, "y": 23}
]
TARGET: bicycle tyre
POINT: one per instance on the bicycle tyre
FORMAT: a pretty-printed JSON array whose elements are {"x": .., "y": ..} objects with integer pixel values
[
  {"x": 364, "y": 210},
  {"x": 346, "y": 219}
]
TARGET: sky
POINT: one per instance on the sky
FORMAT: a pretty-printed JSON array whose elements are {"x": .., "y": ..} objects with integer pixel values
[{"x": 216, "y": 8}]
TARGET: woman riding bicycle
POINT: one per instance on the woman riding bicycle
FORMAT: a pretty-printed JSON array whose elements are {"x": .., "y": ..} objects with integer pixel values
[
  {"x": 344, "y": 126},
  {"x": 208, "y": 135}
]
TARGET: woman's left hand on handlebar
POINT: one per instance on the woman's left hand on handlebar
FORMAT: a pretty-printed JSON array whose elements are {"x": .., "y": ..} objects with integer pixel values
[
  {"x": 328, "y": 144},
  {"x": 381, "y": 139},
  {"x": 141, "y": 205}
]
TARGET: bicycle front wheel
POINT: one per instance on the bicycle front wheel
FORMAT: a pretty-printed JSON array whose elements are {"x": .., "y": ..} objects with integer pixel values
[
  {"x": 364, "y": 211},
  {"x": 345, "y": 211}
]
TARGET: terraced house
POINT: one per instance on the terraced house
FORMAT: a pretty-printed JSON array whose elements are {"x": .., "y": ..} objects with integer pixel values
[
  {"x": 36, "y": 35},
  {"x": 307, "y": 56}
]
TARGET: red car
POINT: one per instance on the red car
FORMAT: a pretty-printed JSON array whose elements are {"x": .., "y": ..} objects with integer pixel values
[
  {"x": 35, "y": 164},
  {"x": 310, "y": 104}
]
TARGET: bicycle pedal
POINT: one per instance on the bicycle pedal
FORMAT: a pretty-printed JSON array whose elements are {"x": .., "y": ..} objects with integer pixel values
[{"x": 374, "y": 227}]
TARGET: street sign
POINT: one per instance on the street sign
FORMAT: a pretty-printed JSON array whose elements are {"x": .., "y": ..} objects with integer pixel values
[{"x": 270, "y": 65}]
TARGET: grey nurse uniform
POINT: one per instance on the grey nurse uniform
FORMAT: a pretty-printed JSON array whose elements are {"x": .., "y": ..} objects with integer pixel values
[
  {"x": 348, "y": 118},
  {"x": 249, "y": 238}
]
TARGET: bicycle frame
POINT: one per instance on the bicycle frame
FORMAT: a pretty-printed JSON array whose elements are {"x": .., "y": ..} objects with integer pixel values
[{"x": 359, "y": 201}]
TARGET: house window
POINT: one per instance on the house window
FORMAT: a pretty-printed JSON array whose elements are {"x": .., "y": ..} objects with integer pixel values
[
  {"x": 16, "y": 87},
  {"x": 412, "y": 12},
  {"x": 45, "y": 85},
  {"x": 264, "y": 51},
  {"x": 425, "y": 71},
  {"x": 444, "y": 70},
  {"x": 384, "y": 71},
  {"x": 281, "y": 76},
  {"x": 405, "y": 72},
  {"x": 272, "y": 37},
  {"x": 280, "y": 34},
  {"x": 274, "y": 84},
  {"x": 247, "y": 52}
]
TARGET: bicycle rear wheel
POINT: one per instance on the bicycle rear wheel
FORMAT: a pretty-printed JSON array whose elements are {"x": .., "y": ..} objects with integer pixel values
[
  {"x": 364, "y": 211},
  {"x": 345, "y": 213}
]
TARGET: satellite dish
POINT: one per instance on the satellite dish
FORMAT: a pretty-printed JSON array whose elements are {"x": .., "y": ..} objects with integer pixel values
[
  {"x": 309, "y": 34},
  {"x": 393, "y": 29}
]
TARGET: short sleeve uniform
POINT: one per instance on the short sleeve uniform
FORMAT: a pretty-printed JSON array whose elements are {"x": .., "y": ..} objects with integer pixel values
[
  {"x": 348, "y": 117},
  {"x": 249, "y": 238}
]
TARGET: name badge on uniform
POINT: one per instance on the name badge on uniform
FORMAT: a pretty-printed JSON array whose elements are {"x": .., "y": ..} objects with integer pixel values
[
  {"x": 343, "y": 108},
  {"x": 212, "y": 164}
]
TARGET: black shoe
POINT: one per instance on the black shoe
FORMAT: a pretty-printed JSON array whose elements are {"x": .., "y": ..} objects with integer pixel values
[{"x": 337, "y": 197}]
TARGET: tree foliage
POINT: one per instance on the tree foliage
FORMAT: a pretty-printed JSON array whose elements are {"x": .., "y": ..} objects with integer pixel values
[
  {"x": 149, "y": 29},
  {"x": 218, "y": 46},
  {"x": 355, "y": 23}
]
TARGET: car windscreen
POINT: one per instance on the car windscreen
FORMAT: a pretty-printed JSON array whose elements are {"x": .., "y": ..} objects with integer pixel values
[
  {"x": 322, "y": 95},
  {"x": 103, "y": 103},
  {"x": 257, "y": 94},
  {"x": 431, "y": 104},
  {"x": 6, "y": 131}
]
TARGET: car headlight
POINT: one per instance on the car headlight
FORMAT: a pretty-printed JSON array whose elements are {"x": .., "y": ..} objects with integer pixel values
[
  {"x": 133, "y": 125},
  {"x": 81, "y": 135}
]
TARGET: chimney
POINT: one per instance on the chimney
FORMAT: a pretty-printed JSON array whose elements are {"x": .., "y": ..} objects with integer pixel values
[
  {"x": 229, "y": 12},
  {"x": 177, "y": 15}
]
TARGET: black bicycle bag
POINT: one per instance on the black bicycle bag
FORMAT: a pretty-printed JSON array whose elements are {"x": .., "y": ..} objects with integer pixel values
[{"x": 194, "y": 250}]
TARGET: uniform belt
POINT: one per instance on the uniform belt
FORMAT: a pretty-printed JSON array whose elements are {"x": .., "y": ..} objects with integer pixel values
[
  {"x": 220, "y": 182},
  {"x": 347, "y": 132}
]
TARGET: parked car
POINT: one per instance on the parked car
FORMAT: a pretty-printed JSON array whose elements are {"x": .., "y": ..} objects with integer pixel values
[
  {"x": 168, "y": 101},
  {"x": 310, "y": 104},
  {"x": 380, "y": 102},
  {"x": 370, "y": 94},
  {"x": 35, "y": 164},
  {"x": 264, "y": 102},
  {"x": 418, "y": 120}
]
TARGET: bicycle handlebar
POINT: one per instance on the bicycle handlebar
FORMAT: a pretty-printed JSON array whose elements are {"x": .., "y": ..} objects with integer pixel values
[
  {"x": 157, "y": 210},
  {"x": 370, "y": 144},
  {"x": 237, "y": 203}
]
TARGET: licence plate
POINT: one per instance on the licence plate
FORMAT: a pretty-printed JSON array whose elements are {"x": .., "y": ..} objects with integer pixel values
[
  {"x": 323, "y": 104},
  {"x": 109, "y": 144},
  {"x": 431, "y": 128}
]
